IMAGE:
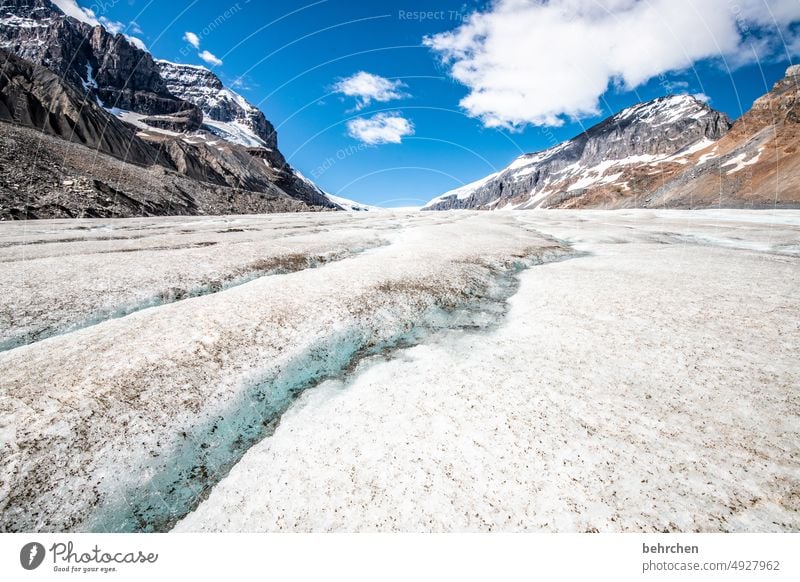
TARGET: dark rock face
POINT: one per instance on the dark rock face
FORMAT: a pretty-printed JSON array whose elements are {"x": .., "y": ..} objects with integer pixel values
[
  {"x": 42, "y": 176},
  {"x": 659, "y": 128},
  {"x": 65, "y": 78},
  {"x": 128, "y": 78},
  {"x": 107, "y": 66},
  {"x": 33, "y": 96},
  {"x": 181, "y": 122}
]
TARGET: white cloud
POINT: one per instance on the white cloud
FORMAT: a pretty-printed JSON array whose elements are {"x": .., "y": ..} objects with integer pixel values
[
  {"x": 243, "y": 84},
  {"x": 112, "y": 26},
  {"x": 536, "y": 62},
  {"x": 210, "y": 58},
  {"x": 675, "y": 86},
  {"x": 71, "y": 8},
  {"x": 192, "y": 39},
  {"x": 366, "y": 88},
  {"x": 137, "y": 42},
  {"x": 702, "y": 97},
  {"x": 380, "y": 128}
]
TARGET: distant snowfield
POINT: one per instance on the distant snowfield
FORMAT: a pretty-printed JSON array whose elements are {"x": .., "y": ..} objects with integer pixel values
[{"x": 642, "y": 376}]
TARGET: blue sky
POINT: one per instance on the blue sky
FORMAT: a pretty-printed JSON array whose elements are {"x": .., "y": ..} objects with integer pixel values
[{"x": 532, "y": 75}]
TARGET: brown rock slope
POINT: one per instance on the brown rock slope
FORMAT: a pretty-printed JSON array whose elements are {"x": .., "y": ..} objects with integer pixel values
[
  {"x": 672, "y": 152},
  {"x": 757, "y": 164}
]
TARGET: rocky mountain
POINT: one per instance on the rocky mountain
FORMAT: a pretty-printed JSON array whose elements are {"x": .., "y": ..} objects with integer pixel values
[
  {"x": 617, "y": 160},
  {"x": 226, "y": 113},
  {"x": 756, "y": 164},
  {"x": 106, "y": 66},
  {"x": 230, "y": 117},
  {"x": 80, "y": 83},
  {"x": 42, "y": 176},
  {"x": 34, "y": 96},
  {"x": 64, "y": 156}
]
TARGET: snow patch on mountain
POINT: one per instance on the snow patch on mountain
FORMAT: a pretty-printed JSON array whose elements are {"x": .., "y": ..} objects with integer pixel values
[
  {"x": 135, "y": 119},
  {"x": 343, "y": 203},
  {"x": 15, "y": 21},
  {"x": 89, "y": 83},
  {"x": 681, "y": 156},
  {"x": 351, "y": 205},
  {"x": 637, "y": 140},
  {"x": 739, "y": 162},
  {"x": 666, "y": 110},
  {"x": 226, "y": 113},
  {"x": 234, "y": 132},
  {"x": 464, "y": 191}
]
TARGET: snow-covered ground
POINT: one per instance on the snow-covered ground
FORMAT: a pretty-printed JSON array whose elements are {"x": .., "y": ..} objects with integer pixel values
[
  {"x": 55, "y": 277},
  {"x": 123, "y": 424},
  {"x": 643, "y": 376}
]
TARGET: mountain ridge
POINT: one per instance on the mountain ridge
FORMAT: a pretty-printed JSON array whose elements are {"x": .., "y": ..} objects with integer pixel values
[
  {"x": 705, "y": 161},
  {"x": 201, "y": 87},
  {"x": 105, "y": 84},
  {"x": 603, "y": 155}
]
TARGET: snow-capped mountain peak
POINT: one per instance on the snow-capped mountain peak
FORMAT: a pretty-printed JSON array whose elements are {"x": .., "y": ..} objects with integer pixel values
[
  {"x": 226, "y": 113},
  {"x": 665, "y": 110},
  {"x": 611, "y": 159}
]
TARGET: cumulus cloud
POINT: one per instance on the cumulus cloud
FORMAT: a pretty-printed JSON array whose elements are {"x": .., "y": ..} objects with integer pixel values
[
  {"x": 380, "y": 128},
  {"x": 537, "y": 62},
  {"x": 366, "y": 88},
  {"x": 192, "y": 39},
  {"x": 210, "y": 58}
]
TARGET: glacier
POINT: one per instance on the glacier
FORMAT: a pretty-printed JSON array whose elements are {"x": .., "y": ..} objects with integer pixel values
[{"x": 458, "y": 371}]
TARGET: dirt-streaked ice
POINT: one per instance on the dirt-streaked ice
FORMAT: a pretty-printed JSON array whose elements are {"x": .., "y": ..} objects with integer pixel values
[
  {"x": 113, "y": 268},
  {"x": 643, "y": 378},
  {"x": 123, "y": 425},
  {"x": 650, "y": 386}
]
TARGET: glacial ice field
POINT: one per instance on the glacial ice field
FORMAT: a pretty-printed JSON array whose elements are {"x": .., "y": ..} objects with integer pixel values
[{"x": 402, "y": 371}]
